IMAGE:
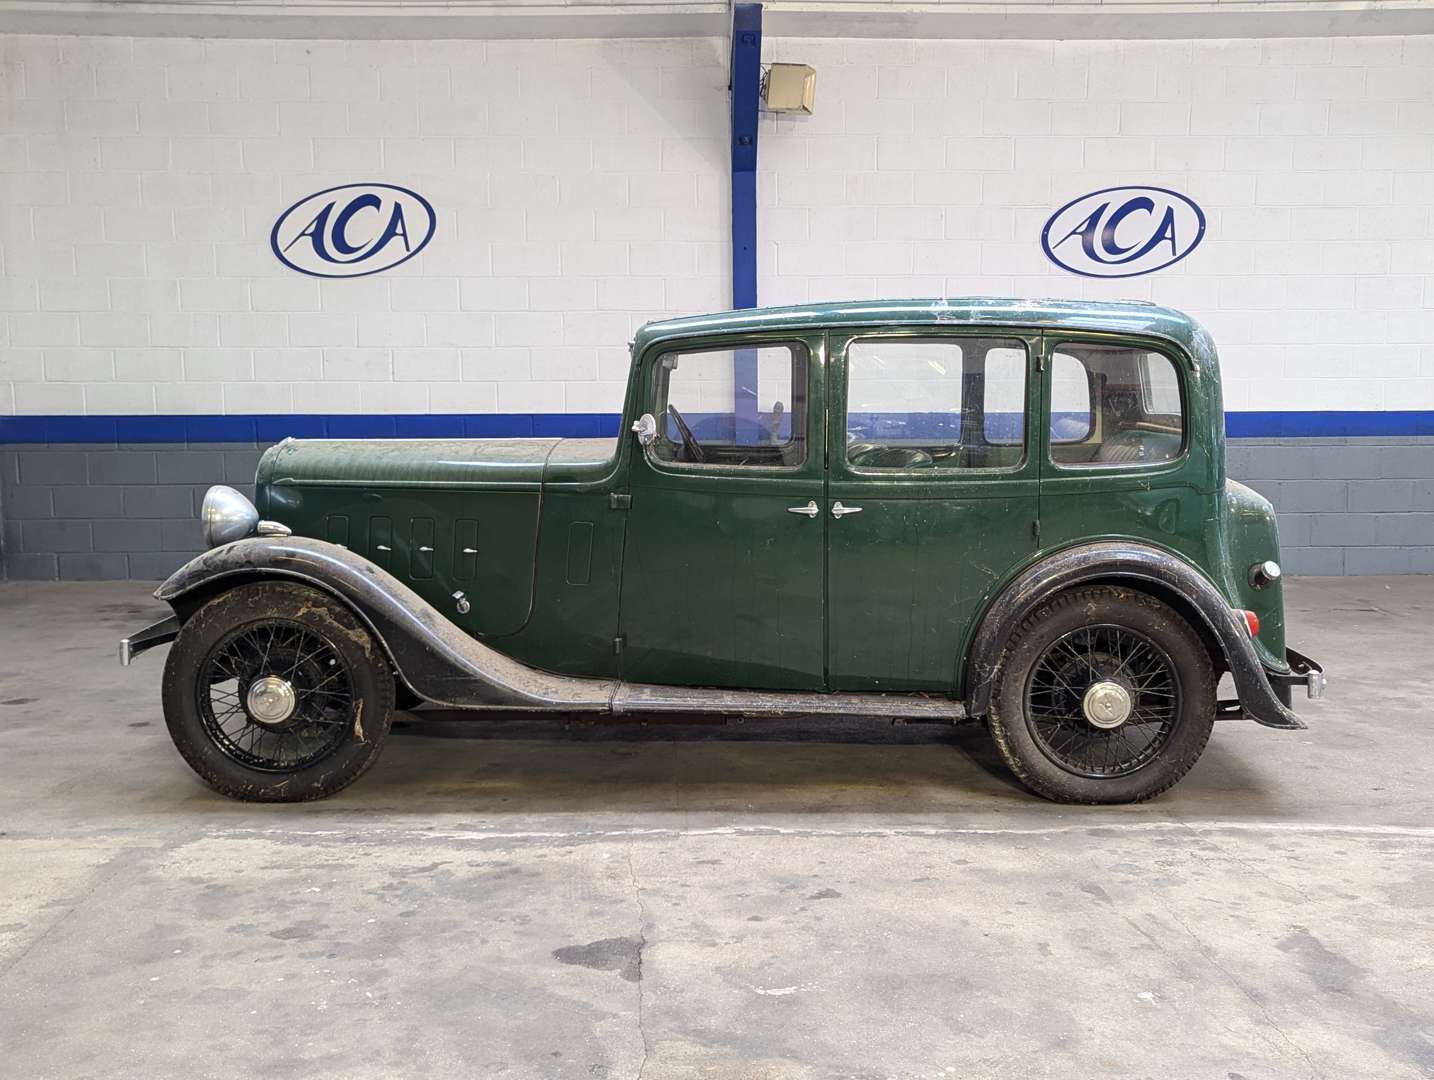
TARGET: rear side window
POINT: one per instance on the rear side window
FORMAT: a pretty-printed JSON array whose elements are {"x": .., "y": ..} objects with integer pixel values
[
  {"x": 1115, "y": 405},
  {"x": 935, "y": 403}
]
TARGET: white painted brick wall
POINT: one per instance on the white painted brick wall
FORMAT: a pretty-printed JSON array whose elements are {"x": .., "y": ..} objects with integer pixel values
[{"x": 581, "y": 189}]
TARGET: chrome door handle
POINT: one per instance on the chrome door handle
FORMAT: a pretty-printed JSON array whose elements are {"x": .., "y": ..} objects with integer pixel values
[
  {"x": 810, "y": 510},
  {"x": 840, "y": 511}
]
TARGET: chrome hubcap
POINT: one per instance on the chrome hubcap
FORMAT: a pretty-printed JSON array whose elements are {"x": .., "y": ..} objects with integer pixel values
[
  {"x": 1106, "y": 705},
  {"x": 271, "y": 700}
]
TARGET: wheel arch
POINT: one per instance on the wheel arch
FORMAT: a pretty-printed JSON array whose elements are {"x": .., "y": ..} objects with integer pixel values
[
  {"x": 195, "y": 596},
  {"x": 1137, "y": 566},
  {"x": 429, "y": 655}
]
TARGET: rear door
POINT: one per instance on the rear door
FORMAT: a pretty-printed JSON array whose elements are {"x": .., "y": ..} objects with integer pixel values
[
  {"x": 1116, "y": 458},
  {"x": 932, "y": 497},
  {"x": 723, "y": 578}
]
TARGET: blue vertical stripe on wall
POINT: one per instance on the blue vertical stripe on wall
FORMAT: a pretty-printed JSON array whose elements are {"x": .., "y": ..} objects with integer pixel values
[{"x": 746, "y": 79}]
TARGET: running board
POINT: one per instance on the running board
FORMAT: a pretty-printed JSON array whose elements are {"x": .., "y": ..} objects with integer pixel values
[{"x": 644, "y": 698}]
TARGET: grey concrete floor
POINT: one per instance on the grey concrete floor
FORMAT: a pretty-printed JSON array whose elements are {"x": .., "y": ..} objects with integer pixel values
[{"x": 784, "y": 900}]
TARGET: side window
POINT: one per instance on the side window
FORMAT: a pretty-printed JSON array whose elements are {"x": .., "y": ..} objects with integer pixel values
[
  {"x": 1004, "y": 408},
  {"x": 1114, "y": 405},
  {"x": 937, "y": 403},
  {"x": 731, "y": 406}
]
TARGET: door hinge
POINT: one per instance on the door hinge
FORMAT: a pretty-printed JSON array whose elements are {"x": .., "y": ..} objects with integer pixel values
[
  {"x": 1036, "y": 528},
  {"x": 617, "y": 643},
  {"x": 1041, "y": 361},
  {"x": 619, "y": 501}
]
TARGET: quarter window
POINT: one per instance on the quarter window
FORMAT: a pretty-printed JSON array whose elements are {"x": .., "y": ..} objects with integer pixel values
[
  {"x": 1114, "y": 405},
  {"x": 731, "y": 406},
  {"x": 940, "y": 403}
]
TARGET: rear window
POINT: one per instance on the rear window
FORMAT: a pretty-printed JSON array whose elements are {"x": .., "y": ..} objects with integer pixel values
[{"x": 1115, "y": 405}]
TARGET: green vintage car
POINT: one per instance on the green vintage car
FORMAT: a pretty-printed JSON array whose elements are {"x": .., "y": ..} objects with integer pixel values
[{"x": 1005, "y": 511}]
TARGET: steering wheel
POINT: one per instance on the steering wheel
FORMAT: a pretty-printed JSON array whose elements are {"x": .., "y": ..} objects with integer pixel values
[{"x": 689, "y": 441}]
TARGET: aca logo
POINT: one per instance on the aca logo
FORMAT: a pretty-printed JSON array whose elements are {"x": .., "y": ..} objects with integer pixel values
[
  {"x": 1123, "y": 232},
  {"x": 353, "y": 230}
]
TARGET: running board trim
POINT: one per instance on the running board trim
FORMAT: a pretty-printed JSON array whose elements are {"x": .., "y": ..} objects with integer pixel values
[{"x": 644, "y": 698}]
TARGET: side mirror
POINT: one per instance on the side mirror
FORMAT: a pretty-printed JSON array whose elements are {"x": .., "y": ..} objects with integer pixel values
[{"x": 645, "y": 428}]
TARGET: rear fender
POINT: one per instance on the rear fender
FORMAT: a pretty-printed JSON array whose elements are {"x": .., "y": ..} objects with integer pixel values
[{"x": 1141, "y": 567}]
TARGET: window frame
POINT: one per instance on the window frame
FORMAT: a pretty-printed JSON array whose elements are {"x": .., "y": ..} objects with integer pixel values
[
  {"x": 1006, "y": 334},
  {"x": 1173, "y": 355},
  {"x": 802, "y": 354}
]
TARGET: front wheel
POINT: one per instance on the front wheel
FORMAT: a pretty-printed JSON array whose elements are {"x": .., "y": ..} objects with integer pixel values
[
  {"x": 1104, "y": 695},
  {"x": 276, "y": 692}
]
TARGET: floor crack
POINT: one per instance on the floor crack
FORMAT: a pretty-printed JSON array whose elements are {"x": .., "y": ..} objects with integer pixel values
[
  {"x": 641, "y": 950},
  {"x": 1252, "y": 998}
]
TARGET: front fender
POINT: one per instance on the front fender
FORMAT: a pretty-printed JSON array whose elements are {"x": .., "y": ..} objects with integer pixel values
[
  {"x": 1135, "y": 564},
  {"x": 434, "y": 658}
]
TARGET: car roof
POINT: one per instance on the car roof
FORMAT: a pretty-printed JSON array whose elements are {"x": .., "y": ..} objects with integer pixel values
[{"x": 1117, "y": 316}]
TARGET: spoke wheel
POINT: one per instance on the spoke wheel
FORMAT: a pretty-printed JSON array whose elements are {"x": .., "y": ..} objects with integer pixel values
[
  {"x": 1103, "y": 695},
  {"x": 276, "y": 696},
  {"x": 277, "y": 692},
  {"x": 1102, "y": 700}
]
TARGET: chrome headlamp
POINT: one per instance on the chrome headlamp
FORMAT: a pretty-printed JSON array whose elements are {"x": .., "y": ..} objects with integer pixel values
[{"x": 226, "y": 516}]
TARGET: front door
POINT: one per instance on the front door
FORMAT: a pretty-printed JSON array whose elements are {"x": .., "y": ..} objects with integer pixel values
[
  {"x": 932, "y": 497},
  {"x": 723, "y": 578}
]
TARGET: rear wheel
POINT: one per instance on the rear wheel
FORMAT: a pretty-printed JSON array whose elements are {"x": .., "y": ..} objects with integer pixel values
[
  {"x": 276, "y": 692},
  {"x": 1104, "y": 695}
]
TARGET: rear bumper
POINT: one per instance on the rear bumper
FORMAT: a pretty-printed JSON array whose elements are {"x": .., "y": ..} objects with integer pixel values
[{"x": 1303, "y": 672}]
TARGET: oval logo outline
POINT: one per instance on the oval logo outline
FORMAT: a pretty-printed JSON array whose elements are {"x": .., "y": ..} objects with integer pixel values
[
  {"x": 1104, "y": 221},
  {"x": 397, "y": 225}
]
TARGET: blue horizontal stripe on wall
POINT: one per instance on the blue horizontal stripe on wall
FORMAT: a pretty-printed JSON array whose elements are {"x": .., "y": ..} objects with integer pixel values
[{"x": 271, "y": 428}]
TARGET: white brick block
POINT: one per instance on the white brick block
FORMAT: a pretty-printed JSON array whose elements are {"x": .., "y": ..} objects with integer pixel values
[
  {"x": 426, "y": 365},
  {"x": 530, "y": 329},
  {"x": 213, "y": 294},
  {"x": 78, "y": 365},
  {"x": 202, "y": 82},
  {"x": 248, "y": 119},
  {"x": 65, "y": 224},
  {"x": 461, "y": 330},
  {"x": 323, "y": 330},
  {"x": 62, "y": 152},
  {"x": 74, "y": 294},
  {"x": 597, "y": 258},
  {"x": 112, "y": 329},
  {"x": 186, "y": 398},
  {"x": 284, "y": 294},
  {"x": 531, "y": 397},
  {"x": 497, "y": 364},
  {"x": 464, "y": 397},
  {"x": 125, "y": 153},
  {"x": 41, "y": 399},
  {"x": 184, "y": 329},
  {"x": 362, "y": 365},
  {"x": 254, "y": 397},
  {"x": 260, "y": 330},
  {"x": 148, "y": 365},
  {"x": 218, "y": 365},
  {"x": 124, "y": 399},
  {"x": 286, "y": 154},
  {"x": 343, "y": 82}
]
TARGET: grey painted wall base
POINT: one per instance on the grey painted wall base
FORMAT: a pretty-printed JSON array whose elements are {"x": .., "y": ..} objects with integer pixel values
[
  {"x": 87, "y": 512},
  {"x": 95, "y": 512},
  {"x": 1346, "y": 506}
]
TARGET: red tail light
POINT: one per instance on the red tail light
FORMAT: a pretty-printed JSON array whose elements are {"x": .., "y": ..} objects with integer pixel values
[{"x": 1252, "y": 622}]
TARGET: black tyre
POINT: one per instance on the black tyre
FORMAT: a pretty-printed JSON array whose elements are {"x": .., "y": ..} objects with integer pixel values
[
  {"x": 1104, "y": 695},
  {"x": 276, "y": 692}
]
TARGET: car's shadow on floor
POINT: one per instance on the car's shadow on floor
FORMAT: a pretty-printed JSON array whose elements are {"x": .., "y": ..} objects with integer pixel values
[{"x": 436, "y": 762}]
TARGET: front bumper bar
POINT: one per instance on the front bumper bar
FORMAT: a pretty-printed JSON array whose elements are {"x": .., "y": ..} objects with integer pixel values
[
  {"x": 160, "y": 633},
  {"x": 1303, "y": 672}
]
